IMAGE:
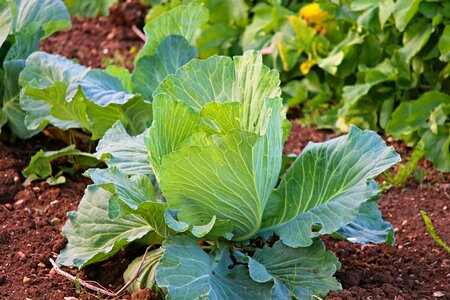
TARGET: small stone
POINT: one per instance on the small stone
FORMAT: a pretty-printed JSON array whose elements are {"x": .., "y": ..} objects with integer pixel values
[
  {"x": 8, "y": 206},
  {"x": 19, "y": 202},
  {"x": 438, "y": 294},
  {"x": 404, "y": 222},
  {"x": 16, "y": 178},
  {"x": 55, "y": 221},
  {"x": 41, "y": 265},
  {"x": 445, "y": 207},
  {"x": 36, "y": 189},
  {"x": 21, "y": 254},
  {"x": 26, "y": 279},
  {"x": 52, "y": 271},
  {"x": 400, "y": 247},
  {"x": 54, "y": 202}
]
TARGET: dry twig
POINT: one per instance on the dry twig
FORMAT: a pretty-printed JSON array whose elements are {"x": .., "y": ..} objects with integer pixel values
[
  {"x": 98, "y": 289},
  {"x": 139, "y": 33}
]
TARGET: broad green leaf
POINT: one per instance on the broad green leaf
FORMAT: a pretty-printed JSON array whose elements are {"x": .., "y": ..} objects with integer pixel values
[
  {"x": 404, "y": 11},
  {"x": 386, "y": 9},
  {"x": 368, "y": 226},
  {"x": 135, "y": 115},
  {"x": 11, "y": 107},
  {"x": 45, "y": 79},
  {"x": 89, "y": 9},
  {"x": 415, "y": 38},
  {"x": 127, "y": 153},
  {"x": 444, "y": 44},
  {"x": 124, "y": 76},
  {"x": 25, "y": 42},
  {"x": 40, "y": 162},
  {"x": 188, "y": 272},
  {"x": 92, "y": 236},
  {"x": 212, "y": 227},
  {"x": 51, "y": 15},
  {"x": 250, "y": 132},
  {"x": 326, "y": 185},
  {"x": 5, "y": 21},
  {"x": 300, "y": 273},
  {"x": 437, "y": 147},
  {"x": 147, "y": 275},
  {"x": 184, "y": 20},
  {"x": 411, "y": 116},
  {"x": 172, "y": 53},
  {"x": 100, "y": 88}
]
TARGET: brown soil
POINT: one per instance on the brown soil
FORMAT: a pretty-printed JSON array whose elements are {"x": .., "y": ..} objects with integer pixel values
[
  {"x": 31, "y": 218},
  {"x": 101, "y": 41}
]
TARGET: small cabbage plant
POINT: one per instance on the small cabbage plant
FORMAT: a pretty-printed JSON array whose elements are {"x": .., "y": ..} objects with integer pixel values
[{"x": 204, "y": 185}]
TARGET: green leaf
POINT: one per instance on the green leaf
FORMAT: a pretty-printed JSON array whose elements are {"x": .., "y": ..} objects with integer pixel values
[
  {"x": 147, "y": 275},
  {"x": 100, "y": 88},
  {"x": 11, "y": 107},
  {"x": 432, "y": 231},
  {"x": 368, "y": 226},
  {"x": 5, "y": 21},
  {"x": 124, "y": 76},
  {"x": 51, "y": 15},
  {"x": 92, "y": 236},
  {"x": 411, "y": 116},
  {"x": 326, "y": 186},
  {"x": 188, "y": 272},
  {"x": 127, "y": 153},
  {"x": 444, "y": 44},
  {"x": 40, "y": 162},
  {"x": 184, "y": 20},
  {"x": 45, "y": 79},
  {"x": 248, "y": 131},
  {"x": 25, "y": 42},
  {"x": 404, "y": 11},
  {"x": 300, "y": 273},
  {"x": 89, "y": 9},
  {"x": 415, "y": 38},
  {"x": 172, "y": 53},
  {"x": 135, "y": 115},
  {"x": 437, "y": 147}
]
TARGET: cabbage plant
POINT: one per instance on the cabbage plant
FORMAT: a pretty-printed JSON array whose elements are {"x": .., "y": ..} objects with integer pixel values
[{"x": 204, "y": 185}]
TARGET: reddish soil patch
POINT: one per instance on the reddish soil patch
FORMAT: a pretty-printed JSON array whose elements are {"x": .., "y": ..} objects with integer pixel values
[{"x": 101, "y": 41}]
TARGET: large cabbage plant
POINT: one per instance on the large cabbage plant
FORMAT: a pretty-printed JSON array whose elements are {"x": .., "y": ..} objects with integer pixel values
[{"x": 205, "y": 186}]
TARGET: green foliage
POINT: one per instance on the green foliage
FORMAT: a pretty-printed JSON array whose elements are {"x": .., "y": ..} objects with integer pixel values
[
  {"x": 204, "y": 183},
  {"x": 432, "y": 231},
  {"x": 24, "y": 23},
  {"x": 62, "y": 93},
  {"x": 404, "y": 171},
  {"x": 89, "y": 9}
]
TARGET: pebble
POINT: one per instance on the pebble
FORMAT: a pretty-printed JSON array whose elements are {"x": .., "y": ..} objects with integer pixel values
[
  {"x": 8, "y": 206},
  {"x": 438, "y": 294},
  {"x": 404, "y": 222},
  {"x": 41, "y": 265},
  {"x": 16, "y": 178},
  {"x": 19, "y": 202},
  {"x": 445, "y": 207},
  {"x": 52, "y": 271},
  {"x": 36, "y": 189},
  {"x": 26, "y": 279},
  {"x": 54, "y": 202},
  {"x": 21, "y": 254}
]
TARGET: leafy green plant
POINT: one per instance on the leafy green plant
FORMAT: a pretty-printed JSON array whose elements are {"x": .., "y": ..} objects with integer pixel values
[
  {"x": 23, "y": 24},
  {"x": 60, "y": 92},
  {"x": 404, "y": 171},
  {"x": 432, "y": 231},
  {"x": 204, "y": 183},
  {"x": 362, "y": 62},
  {"x": 90, "y": 8}
]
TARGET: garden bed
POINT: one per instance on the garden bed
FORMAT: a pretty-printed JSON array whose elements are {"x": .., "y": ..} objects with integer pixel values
[{"x": 31, "y": 218}]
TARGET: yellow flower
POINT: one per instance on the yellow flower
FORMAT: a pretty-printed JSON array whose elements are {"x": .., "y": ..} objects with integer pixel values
[
  {"x": 314, "y": 15},
  {"x": 307, "y": 65}
]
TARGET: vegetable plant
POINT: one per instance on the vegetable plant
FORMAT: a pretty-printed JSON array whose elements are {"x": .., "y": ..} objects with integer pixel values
[
  {"x": 23, "y": 24},
  {"x": 203, "y": 186},
  {"x": 62, "y": 93}
]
